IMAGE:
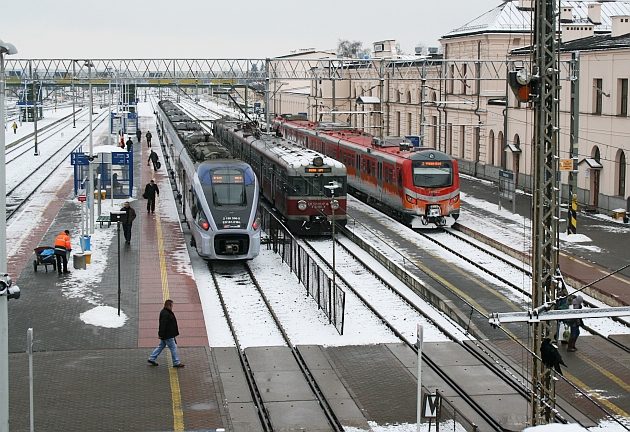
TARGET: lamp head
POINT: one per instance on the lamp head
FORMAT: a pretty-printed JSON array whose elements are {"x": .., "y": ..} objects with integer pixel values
[{"x": 7, "y": 48}]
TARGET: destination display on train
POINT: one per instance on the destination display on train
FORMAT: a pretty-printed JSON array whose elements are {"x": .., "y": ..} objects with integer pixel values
[
  {"x": 227, "y": 179},
  {"x": 317, "y": 170},
  {"x": 433, "y": 164}
]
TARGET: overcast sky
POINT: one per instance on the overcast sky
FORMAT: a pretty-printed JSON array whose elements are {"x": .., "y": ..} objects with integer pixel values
[{"x": 224, "y": 29}]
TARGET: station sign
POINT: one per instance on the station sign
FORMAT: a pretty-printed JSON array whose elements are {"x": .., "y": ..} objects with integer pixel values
[
  {"x": 431, "y": 405},
  {"x": 120, "y": 158},
  {"x": 82, "y": 198},
  {"x": 506, "y": 184},
  {"x": 568, "y": 165},
  {"x": 131, "y": 123},
  {"x": 79, "y": 159}
]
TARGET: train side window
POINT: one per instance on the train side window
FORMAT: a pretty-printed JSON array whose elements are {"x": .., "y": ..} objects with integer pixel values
[
  {"x": 380, "y": 171},
  {"x": 358, "y": 163}
]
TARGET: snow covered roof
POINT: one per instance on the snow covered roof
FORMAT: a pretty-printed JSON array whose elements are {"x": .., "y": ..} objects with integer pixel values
[
  {"x": 509, "y": 18},
  {"x": 368, "y": 100},
  {"x": 592, "y": 163}
]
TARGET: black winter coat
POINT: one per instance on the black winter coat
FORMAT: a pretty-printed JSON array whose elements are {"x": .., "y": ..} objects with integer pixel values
[
  {"x": 150, "y": 190},
  {"x": 129, "y": 216},
  {"x": 168, "y": 325}
]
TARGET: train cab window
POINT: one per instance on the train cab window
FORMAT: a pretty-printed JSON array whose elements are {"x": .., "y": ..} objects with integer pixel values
[
  {"x": 432, "y": 173},
  {"x": 298, "y": 186},
  {"x": 227, "y": 188}
]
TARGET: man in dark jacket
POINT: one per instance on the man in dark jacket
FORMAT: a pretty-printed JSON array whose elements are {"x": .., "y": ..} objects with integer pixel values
[
  {"x": 150, "y": 191},
  {"x": 129, "y": 144},
  {"x": 127, "y": 220},
  {"x": 149, "y": 136},
  {"x": 139, "y": 135},
  {"x": 167, "y": 333},
  {"x": 153, "y": 157}
]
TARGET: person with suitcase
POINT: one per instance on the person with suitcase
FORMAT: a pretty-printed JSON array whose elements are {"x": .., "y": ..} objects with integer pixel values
[{"x": 153, "y": 157}]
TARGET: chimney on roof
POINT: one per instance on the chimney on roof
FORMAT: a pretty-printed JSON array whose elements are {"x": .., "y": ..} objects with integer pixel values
[
  {"x": 620, "y": 25},
  {"x": 573, "y": 31},
  {"x": 566, "y": 14},
  {"x": 595, "y": 13},
  {"x": 526, "y": 4}
]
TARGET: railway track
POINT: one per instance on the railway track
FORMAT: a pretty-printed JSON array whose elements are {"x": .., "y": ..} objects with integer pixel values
[
  {"x": 243, "y": 325},
  {"x": 418, "y": 264},
  {"x": 509, "y": 272},
  {"x": 19, "y": 193},
  {"x": 419, "y": 314}
]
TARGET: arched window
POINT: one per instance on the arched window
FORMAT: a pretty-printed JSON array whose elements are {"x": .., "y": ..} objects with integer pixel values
[
  {"x": 596, "y": 154},
  {"x": 501, "y": 148},
  {"x": 397, "y": 95},
  {"x": 621, "y": 173},
  {"x": 433, "y": 96},
  {"x": 516, "y": 156},
  {"x": 409, "y": 97},
  {"x": 490, "y": 151}
]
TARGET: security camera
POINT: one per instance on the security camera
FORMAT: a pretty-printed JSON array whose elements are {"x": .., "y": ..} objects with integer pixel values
[{"x": 7, "y": 288}]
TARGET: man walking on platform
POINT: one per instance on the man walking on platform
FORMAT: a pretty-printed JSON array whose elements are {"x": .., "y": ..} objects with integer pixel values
[
  {"x": 14, "y": 127},
  {"x": 127, "y": 220},
  {"x": 62, "y": 248},
  {"x": 139, "y": 135},
  {"x": 167, "y": 333},
  {"x": 149, "y": 136},
  {"x": 153, "y": 157},
  {"x": 129, "y": 144},
  {"x": 150, "y": 191}
]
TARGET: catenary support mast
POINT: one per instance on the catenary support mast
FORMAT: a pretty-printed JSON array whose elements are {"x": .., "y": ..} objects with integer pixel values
[{"x": 545, "y": 221}]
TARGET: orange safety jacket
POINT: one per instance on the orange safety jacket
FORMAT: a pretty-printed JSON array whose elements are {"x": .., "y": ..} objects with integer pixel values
[{"x": 63, "y": 241}]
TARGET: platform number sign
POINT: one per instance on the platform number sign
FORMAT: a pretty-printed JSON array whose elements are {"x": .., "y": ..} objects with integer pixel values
[{"x": 431, "y": 405}]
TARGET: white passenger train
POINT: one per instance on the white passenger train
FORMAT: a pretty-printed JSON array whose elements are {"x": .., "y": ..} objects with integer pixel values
[{"x": 218, "y": 194}]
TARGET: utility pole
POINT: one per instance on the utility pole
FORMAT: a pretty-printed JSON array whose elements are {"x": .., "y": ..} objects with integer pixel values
[
  {"x": 573, "y": 142},
  {"x": 545, "y": 198}
]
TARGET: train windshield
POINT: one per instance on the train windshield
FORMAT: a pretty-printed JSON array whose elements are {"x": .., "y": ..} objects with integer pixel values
[
  {"x": 227, "y": 188},
  {"x": 301, "y": 186},
  {"x": 432, "y": 173}
]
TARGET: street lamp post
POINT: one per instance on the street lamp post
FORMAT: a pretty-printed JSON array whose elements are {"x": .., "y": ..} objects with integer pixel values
[
  {"x": 332, "y": 188},
  {"x": 74, "y": 95},
  {"x": 5, "y": 48},
  {"x": 90, "y": 190}
]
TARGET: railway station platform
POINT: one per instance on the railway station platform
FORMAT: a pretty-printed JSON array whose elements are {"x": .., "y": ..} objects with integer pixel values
[{"x": 90, "y": 368}]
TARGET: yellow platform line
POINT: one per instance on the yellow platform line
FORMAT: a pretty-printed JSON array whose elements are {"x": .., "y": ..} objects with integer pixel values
[{"x": 176, "y": 394}]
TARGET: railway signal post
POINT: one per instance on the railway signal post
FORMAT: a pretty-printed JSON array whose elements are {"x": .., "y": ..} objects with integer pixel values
[{"x": 334, "y": 205}]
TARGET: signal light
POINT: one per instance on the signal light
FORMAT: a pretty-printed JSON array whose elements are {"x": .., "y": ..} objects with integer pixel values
[
  {"x": 522, "y": 84},
  {"x": 205, "y": 225},
  {"x": 256, "y": 224}
]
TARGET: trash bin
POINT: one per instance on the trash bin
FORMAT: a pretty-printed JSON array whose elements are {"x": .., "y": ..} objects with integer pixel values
[
  {"x": 78, "y": 261},
  {"x": 88, "y": 257},
  {"x": 85, "y": 242}
]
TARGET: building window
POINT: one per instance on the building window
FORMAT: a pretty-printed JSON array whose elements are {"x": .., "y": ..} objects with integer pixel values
[
  {"x": 409, "y": 97},
  {"x": 622, "y": 92},
  {"x": 490, "y": 155},
  {"x": 397, "y": 123},
  {"x": 449, "y": 139},
  {"x": 462, "y": 141},
  {"x": 434, "y": 128},
  {"x": 597, "y": 96},
  {"x": 621, "y": 184},
  {"x": 408, "y": 123},
  {"x": 464, "y": 73},
  {"x": 451, "y": 76}
]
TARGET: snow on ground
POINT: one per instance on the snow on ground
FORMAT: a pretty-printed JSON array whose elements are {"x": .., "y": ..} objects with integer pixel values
[
  {"x": 410, "y": 427},
  {"x": 104, "y": 316},
  {"x": 298, "y": 312},
  {"x": 50, "y": 116}
]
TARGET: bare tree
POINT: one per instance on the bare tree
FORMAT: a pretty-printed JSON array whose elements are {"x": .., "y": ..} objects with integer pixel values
[{"x": 351, "y": 49}]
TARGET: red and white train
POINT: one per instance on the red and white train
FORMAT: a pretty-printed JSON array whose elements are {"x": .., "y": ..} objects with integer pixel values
[
  {"x": 295, "y": 180},
  {"x": 419, "y": 185}
]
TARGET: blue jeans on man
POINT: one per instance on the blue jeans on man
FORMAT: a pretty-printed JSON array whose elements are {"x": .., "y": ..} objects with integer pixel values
[{"x": 172, "y": 346}]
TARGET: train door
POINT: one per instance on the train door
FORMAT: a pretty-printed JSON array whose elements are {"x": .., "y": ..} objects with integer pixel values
[{"x": 379, "y": 180}]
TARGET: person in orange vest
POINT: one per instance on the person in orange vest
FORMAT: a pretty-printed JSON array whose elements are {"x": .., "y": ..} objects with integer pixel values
[
  {"x": 14, "y": 126},
  {"x": 62, "y": 247}
]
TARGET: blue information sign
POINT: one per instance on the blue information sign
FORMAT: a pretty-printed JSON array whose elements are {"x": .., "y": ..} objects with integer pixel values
[
  {"x": 79, "y": 159},
  {"x": 120, "y": 158}
]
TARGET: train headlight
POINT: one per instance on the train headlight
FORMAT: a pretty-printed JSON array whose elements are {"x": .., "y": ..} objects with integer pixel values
[
  {"x": 205, "y": 225},
  {"x": 301, "y": 205},
  {"x": 455, "y": 199},
  {"x": 334, "y": 204},
  {"x": 410, "y": 199}
]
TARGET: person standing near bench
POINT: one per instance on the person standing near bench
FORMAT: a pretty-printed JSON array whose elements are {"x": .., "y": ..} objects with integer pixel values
[
  {"x": 62, "y": 248},
  {"x": 150, "y": 191},
  {"x": 127, "y": 220}
]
